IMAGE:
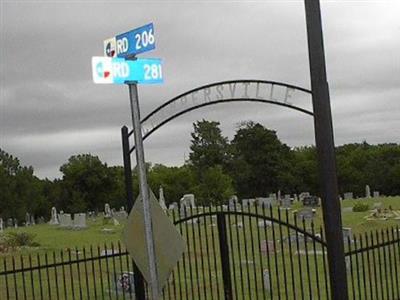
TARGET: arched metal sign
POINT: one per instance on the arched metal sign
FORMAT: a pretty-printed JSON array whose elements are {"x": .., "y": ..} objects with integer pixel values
[{"x": 256, "y": 91}]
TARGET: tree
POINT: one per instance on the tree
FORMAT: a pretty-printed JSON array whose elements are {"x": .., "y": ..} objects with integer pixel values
[
  {"x": 87, "y": 183},
  {"x": 305, "y": 170},
  {"x": 20, "y": 190},
  {"x": 176, "y": 181},
  {"x": 215, "y": 188},
  {"x": 208, "y": 159},
  {"x": 260, "y": 164},
  {"x": 208, "y": 147}
]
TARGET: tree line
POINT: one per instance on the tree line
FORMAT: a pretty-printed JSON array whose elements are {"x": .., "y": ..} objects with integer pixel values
[{"x": 254, "y": 163}]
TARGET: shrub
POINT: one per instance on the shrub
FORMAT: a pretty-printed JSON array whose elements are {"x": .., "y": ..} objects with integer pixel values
[
  {"x": 18, "y": 239},
  {"x": 358, "y": 207}
]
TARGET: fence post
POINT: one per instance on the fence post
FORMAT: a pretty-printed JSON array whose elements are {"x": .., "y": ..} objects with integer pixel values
[
  {"x": 326, "y": 152},
  {"x": 224, "y": 252},
  {"x": 137, "y": 276}
]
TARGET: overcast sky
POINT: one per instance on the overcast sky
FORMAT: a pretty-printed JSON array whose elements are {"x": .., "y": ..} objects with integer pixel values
[{"x": 51, "y": 109}]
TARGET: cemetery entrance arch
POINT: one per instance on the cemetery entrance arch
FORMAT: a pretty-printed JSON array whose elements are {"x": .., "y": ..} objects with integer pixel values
[{"x": 254, "y": 91}]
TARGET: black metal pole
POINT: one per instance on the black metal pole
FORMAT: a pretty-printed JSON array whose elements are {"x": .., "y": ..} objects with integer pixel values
[
  {"x": 224, "y": 252},
  {"x": 137, "y": 276},
  {"x": 326, "y": 152}
]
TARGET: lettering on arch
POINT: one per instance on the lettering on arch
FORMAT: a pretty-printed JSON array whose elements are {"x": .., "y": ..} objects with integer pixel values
[{"x": 250, "y": 90}]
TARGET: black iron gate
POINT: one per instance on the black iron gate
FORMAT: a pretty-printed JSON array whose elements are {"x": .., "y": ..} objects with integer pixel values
[{"x": 249, "y": 253}]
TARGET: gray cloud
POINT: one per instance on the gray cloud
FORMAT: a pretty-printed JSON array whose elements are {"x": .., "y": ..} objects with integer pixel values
[{"x": 50, "y": 109}]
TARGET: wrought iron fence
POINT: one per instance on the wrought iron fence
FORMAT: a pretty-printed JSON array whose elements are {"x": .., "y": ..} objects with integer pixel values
[{"x": 252, "y": 253}]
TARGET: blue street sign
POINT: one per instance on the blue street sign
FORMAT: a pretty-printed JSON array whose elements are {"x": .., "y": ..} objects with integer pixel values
[
  {"x": 131, "y": 43},
  {"x": 119, "y": 70}
]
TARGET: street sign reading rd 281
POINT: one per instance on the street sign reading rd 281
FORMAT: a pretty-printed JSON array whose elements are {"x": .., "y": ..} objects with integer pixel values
[
  {"x": 131, "y": 43},
  {"x": 120, "y": 71}
]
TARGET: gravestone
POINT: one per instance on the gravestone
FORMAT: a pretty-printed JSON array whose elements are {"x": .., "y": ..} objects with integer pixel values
[
  {"x": 286, "y": 202},
  {"x": 267, "y": 280},
  {"x": 245, "y": 202},
  {"x": 15, "y": 223},
  {"x": 124, "y": 284},
  {"x": 347, "y": 209},
  {"x": 10, "y": 222},
  {"x": 54, "y": 218},
  {"x": 303, "y": 195},
  {"x": 348, "y": 263},
  {"x": 265, "y": 202},
  {"x": 296, "y": 198},
  {"x": 184, "y": 211},
  {"x": 121, "y": 215},
  {"x": 33, "y": 220},
  {"x": 27, "y": 219},
  {"x": 233, "y": 202},
  {"x": 267, "y": 247},
  {"x": 311, "y": 201},
  {"x": 264, "y": 223},
  {"x": 348, "y": 195},
  {"x": 109, "y": 252},
  {"x": 1, "y": 225},
  {"x": 376, "y": 194},
  {"x": 188, "y": 201},
  {"x": 161, "y": 198},
  {"x": 273, "y": 196},
  {"x": 306, "y": 214},
  {"x": 238, "y": 225},
  {"x": 367, "y": 191},
  {"x": 252, "y": 201},
  {"x": 79, "y": 220},
  {"x": 347, "y": 234},
  {"x": 173, "y": 206},
  {"x": 107, "y": 211},
  {"x": 65, "y": 220},
  {"x": 279, "y": 195},
  {"x": 377, "y": 205}
]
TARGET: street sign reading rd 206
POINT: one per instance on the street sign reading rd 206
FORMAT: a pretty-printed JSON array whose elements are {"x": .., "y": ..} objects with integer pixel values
[
  {"x": 119, "y": 70},
  {"x": 131, "y": 43}
]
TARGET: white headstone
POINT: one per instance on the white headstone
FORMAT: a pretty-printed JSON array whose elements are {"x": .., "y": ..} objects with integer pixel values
[
  {"x": 107, "y": 211},
  {"x": 33, "y": 220},
  {"x": 306, "y": 214},
  {"x": 245, "y": 202},
  {"x": 54, "y": 218},
  {"x": 80, "y": 220},
  {"x": 265, "y": 202},
  {"x": 376, "y": 194},
  {"x": 367, "y": 191},
  {"x": 233, "y": 202},
  {"x": 264, "y": 223},
  {"x": 27, "y": 219},
  {"x": 286, "y": 202},
  {"x": 161, "y": 198},
  {"x": 267, "y": 280},
  {"x": 347, "y": 234},
  {"x": 303, "y": 195},
  {"x": 348, "y": 195},
  {"x": 65, "y": 220},
  {"x": 15, "y": 223},
  {"x": 1, "y": 225},
  {"x": 188, "y": 200},
  {"x": 173, "y": 205}
]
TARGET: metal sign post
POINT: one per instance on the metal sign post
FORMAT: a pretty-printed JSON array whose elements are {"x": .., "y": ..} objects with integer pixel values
[
  {"x": 144, "y": 190},
  {"x": 326, "y": 152}
]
